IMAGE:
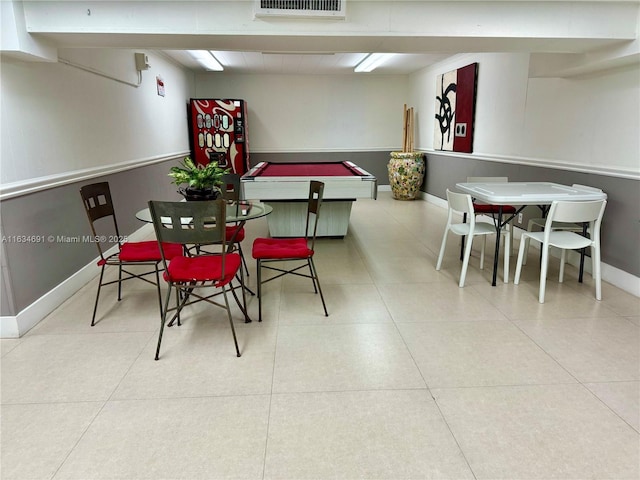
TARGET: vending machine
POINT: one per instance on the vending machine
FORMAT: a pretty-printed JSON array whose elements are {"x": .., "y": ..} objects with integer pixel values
[{"x": 218, "y": 129}]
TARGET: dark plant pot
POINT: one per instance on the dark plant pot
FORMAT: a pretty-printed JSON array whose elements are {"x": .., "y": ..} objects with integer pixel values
[{"x": 198, "y": 194}]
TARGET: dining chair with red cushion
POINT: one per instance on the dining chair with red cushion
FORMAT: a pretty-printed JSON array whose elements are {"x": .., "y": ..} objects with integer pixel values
[
  {"x": 232, "y": 194},
  {"x": 268, "y": 251},
  {"x": 200, "y": 274},
  {"x": 98, "y": 204}
]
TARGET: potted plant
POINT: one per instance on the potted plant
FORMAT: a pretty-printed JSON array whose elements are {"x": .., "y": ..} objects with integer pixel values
[{"x": 203, "y": 182}]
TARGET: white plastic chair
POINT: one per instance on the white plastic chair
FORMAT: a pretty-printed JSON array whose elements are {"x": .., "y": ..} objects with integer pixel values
[
  {"x": 539, "y": 223},
  {"x": 490, "y": 210},
  {"x": 564, "y": 211},
  {"x": 462, "y": 203}
]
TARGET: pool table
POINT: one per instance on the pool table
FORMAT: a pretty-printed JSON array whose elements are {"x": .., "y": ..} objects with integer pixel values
[{"x": 285, "y": 186}]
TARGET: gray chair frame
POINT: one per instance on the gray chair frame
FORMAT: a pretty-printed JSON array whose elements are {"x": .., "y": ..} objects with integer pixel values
[
  {"x": 200, "y": 223},
  {"x": 98, "y": 205},
  {"x": 316, "y": 191},
  {"x": 232, "y": 193}
]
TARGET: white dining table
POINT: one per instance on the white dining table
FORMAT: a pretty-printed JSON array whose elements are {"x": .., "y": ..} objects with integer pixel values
[{"x": 522, "y": 194}]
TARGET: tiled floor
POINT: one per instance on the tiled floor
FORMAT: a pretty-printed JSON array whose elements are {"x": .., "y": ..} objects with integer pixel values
[{"x": 409, "y": 377}]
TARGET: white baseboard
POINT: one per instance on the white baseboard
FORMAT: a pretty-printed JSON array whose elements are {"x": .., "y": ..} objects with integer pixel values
[
  {"x": 439, "y": 202},
  {"x": 621, "y": 279},
  {"x": 17, "y": 326}
]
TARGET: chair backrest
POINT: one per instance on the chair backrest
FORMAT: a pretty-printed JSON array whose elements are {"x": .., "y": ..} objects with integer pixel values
[
  {"x": 231, "y": 187},
  {"x": 459, "y": 202},
  {"x": 316, "y": 192},
  {"x": 98, "y": 204},
  {"x": 193, "y": 223},
  {"x": 487, "y": 179},
  {"x": 231, "y": 190},
  {"x": 576, "y": 212}
]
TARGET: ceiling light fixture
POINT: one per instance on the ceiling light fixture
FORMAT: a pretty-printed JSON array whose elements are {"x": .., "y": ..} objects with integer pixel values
[
  {"x": 298, "y": 53},
  {"x": 372, "y": 61},
  {"x": 207, "y": 60}
]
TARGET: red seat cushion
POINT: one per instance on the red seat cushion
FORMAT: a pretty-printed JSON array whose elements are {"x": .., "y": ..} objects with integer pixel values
[
  {"x": 148, "y": 251},
  {"x": 274, "y": 248},
  {"x": 171, "y": 250},
  {"x": 231, "y": 230},
  {"x": 205, "y": 268},
  {"x": 482, "y": 208}
]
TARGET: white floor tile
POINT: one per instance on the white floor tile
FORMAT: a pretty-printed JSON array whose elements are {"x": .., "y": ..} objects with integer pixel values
[
  {"x": 384, "y": 435},
  {"x": 194, "y": 438},
  {"x": 442, "y": 301},
  {"x": 592, "y": 349},
  {"x": 358, "y": 303},
  {"x": 621, "y": 397},
  {"x": 539, "y": 432},
  {"x": 343, "y": 357},
  {"x": 466, "y": 354},
  {"x": 409, "y": 376},
  {"x": 36, "y": 438},
  {"x": 69, "y": 368}
]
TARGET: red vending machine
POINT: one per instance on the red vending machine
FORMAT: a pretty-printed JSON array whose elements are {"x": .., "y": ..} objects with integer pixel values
[{"x": 219, "y": 132}]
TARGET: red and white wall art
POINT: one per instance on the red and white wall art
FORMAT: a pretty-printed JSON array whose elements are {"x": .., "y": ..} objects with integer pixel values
[{"x": 455, "y": 109}]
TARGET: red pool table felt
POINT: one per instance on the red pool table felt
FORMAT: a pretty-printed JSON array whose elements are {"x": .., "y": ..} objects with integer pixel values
[{"x": 324, "y": 169}]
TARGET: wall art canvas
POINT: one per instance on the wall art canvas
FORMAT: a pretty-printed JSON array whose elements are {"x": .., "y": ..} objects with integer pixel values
[{"x": 455, "y": 109}]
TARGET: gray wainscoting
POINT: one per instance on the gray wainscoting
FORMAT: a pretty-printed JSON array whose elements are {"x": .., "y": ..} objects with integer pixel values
[{"x": 58, "y": 216}]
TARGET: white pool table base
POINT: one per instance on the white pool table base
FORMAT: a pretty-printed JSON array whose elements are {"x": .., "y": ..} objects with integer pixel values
[{"x": 287, "y": 218}]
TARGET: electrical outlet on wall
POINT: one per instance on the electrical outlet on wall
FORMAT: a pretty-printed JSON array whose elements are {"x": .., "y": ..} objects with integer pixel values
[{"x": 520, "y": 219}]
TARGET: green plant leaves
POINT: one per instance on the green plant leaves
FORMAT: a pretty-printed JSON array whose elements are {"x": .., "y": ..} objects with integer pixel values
[{"x": 198, "y": 176}]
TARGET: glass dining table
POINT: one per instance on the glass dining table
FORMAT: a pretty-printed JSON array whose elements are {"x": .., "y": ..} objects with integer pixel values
[{"x": 237, "y": 212}]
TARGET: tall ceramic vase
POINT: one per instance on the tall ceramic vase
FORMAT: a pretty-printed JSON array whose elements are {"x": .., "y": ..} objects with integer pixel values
[{"x": 406, "y": 173}]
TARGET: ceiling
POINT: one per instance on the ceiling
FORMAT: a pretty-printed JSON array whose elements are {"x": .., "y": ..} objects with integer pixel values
[
  {"x": 306, "y": 63},
  {"x": 421, "y": 33}
]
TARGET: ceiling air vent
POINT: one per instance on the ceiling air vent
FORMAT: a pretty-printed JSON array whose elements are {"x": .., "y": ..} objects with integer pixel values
[{"x": 301, "y": 8}]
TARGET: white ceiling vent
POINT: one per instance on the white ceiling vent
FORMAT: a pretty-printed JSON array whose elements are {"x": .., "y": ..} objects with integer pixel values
[{"x": 301, "y": 8}]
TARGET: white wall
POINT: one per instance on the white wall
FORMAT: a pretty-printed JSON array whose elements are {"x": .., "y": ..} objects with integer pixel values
[
  {"x": 593, "y": 120},
  {"x": 57, "y": 119},
  {"x": 589, "y": 122},
  {"x": 316, "y": 113}
]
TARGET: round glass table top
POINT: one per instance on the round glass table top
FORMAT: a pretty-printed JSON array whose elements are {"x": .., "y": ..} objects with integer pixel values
[{"x": 236, "y": 212}]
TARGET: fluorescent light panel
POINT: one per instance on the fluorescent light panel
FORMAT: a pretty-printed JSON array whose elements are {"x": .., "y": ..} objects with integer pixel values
[
  {"x": 372, "y": 61},
  {"x": 207, "y": 60},
  {"x": 298, "y": 53}
]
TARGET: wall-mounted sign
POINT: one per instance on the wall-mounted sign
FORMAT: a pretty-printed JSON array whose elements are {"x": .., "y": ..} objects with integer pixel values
[{"x": 160, "y": 84}]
